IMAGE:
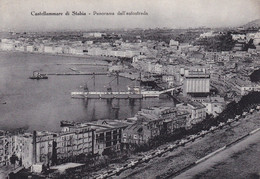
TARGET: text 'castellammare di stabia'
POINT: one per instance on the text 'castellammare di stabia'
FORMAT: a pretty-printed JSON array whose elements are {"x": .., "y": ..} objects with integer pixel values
[{"x": 93, "y": 13}]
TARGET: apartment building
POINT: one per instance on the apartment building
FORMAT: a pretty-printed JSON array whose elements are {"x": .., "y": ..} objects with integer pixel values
[
  {"x": 7, "y": 147},
  {"x": 107, "y": 135},
  {"x": 197, "y": 111},
  {"x": 73, "y": 141},
  {"x": 152, "y": 122}
]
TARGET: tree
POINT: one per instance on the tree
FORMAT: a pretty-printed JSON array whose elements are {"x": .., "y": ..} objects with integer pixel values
[
  {"x": 13, "y": 159},
  {"x": 255, "y": 76}
]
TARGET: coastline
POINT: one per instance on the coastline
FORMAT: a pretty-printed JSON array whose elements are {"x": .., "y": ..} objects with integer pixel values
[{"x": 86, "y": 57}]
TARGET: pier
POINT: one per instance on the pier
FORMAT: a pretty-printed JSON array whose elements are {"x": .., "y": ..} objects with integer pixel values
[
  {"x": 107, "y": 95},
  {"x": 89, "y": 64},
  {"x": 85, "y": 73}
]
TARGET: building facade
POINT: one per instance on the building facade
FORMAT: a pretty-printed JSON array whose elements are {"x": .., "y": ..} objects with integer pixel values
[
  {"x": 73, "y": 141},
  {"x": 7, "y": 148},
  {"x": 196, "y": 110},
  {"x": 107, "y": 135},
  {"x": 196, "y": 82}
]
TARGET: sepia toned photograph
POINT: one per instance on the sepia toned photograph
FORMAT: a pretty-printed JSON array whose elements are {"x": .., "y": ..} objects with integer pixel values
[{"x": 129, "y": 89}]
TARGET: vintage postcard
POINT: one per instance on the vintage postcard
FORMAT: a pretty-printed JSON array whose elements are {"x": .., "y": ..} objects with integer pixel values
[{"x": 137, "y": 89}]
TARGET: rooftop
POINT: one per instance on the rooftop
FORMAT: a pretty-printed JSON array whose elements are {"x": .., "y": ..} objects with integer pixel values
[
  {"x": 107, "y": 124},
  {"x": 196, "y": 104},
  {"x": 44, "y": 133},
  {"x": 148, "y": 117}
]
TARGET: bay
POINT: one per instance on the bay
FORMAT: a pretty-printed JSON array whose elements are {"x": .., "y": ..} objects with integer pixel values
[{"x": 42, "y": 104}]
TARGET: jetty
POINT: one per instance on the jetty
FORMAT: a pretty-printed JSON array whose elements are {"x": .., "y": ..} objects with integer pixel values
[
  {"x": 83, "y": 73},
  {"x": 123, "y": 94},
  {"x": 89, "y": 64}
]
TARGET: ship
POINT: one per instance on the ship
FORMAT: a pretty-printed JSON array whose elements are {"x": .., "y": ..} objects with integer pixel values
[
  {"x": 67, "y": 123},
  {"x": 134, "y": 92},
  {"x": 38, "y": 76}
]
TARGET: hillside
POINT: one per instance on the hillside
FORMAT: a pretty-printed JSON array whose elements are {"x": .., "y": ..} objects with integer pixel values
[{"x": 255, "y": 24}]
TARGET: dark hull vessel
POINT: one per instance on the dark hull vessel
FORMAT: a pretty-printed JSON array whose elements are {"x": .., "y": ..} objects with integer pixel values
[{"x": 38, "y": 76}]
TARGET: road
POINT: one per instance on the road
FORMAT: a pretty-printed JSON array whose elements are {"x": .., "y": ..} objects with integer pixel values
[
  {"x": 171, "y": 162},
  {"x": 230, "y": 163}
]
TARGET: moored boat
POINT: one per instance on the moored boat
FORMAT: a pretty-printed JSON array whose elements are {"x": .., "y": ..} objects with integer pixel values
[{"x": 38, "y": 76}]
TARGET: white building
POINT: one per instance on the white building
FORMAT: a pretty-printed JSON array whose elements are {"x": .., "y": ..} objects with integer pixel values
[
  {"x": 238, "y": 36},
  {"x": 89, "y": 42},
  {"x": 196, "y": 82},
  {"x": 213, "y": 108},
  {"x": 7, "y": 46},
  {"x": 20, "y": 48},
  {"x": 49, "y": 49},
  {"x": 76, "y": 50},
  {"x": 197, "y": 111},
  {"x": 246, "y": 89},
  {"x": 93, "y": 34},
  {"x": 57, "y": 49},
  {"x": 173, "y": 43},
  {"x": 207, "y": 34},
  {"x": 29, "y": 48}
]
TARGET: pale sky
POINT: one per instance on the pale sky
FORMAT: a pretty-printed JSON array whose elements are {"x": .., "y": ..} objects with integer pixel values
[{"x": 16, "y": 15}]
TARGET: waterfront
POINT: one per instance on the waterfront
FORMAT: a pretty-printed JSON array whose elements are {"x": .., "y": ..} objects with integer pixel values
[{"x": 42, "y": 104}]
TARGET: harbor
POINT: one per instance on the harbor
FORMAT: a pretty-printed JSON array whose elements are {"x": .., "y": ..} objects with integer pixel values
[{"x": 41, "y": 104}]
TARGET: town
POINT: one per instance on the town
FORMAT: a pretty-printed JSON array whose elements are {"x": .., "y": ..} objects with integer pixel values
[{"x": 205, "y": 70}]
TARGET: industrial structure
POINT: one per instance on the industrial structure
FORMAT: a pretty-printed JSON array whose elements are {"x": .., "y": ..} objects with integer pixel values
[{"x": 196, "y": 81}]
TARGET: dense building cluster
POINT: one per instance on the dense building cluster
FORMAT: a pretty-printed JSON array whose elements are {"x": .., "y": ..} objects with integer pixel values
[
  {"x": 209, "y": 80},
  {"x": 51, "y": 148},
  {"x": 95, "y": 138}
]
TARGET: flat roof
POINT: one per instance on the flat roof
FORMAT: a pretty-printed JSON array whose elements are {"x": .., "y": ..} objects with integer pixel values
[
  {"x": 107, "y": 124},
  {"x": 196, "y": 104},
  {"x": 63, "y": 167}
]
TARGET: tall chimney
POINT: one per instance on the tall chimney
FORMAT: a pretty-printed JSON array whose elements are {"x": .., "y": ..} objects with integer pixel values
[{"x": 34, "y": 147}]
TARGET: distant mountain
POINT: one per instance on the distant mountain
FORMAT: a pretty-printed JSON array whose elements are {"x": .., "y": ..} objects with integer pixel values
[{"x": 255, "y": 23}]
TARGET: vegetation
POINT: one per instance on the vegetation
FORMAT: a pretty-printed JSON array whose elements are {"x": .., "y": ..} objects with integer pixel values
[
  {"x": 232, "y": 109},
  {"x": 255, "y": 76},
  {"x": 217, "y": 43},
  {"x": 163, "y": 35},
  {"x": 250, "y": 44}
]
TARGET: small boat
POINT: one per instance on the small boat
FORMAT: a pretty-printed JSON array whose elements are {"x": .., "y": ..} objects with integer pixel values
[
  {"x": 38, "y": 76},
  {"x": 67, "y": 123}
]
